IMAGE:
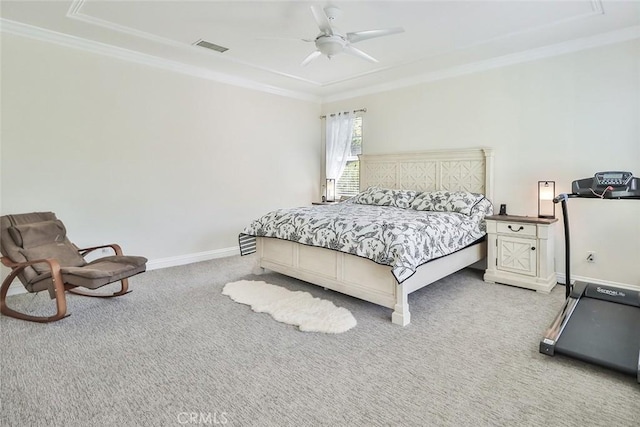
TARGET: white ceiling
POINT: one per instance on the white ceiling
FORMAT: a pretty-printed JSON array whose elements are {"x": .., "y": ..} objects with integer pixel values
[{"x": 264, "y": 37}]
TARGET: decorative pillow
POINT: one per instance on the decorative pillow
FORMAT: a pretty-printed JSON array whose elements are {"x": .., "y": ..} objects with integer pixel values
[
  {"x": 483, "y": 208},
  {"x": 422, "y": 202},
  {"x": 38, "y": 233},
  {"x": 386, "y": 197},
  {"x": 447, "y": 201},
  {"x": 64, "y": 253}
]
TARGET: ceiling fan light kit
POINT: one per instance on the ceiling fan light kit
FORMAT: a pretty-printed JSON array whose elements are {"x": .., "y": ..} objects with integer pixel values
[
  {"x": 331, "y": 41},
  {"x": 330, "y": 45}
]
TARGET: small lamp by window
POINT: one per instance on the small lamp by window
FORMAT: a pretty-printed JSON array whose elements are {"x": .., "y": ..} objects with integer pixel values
[
  {"x": 546, "y": 193},
  {"x": 331, "y": 190}
]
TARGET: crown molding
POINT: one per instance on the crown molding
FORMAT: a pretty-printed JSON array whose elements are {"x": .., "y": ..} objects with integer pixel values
[
  {"x": 618, "y": 36},
  {"x": 595, "y": 8},
  {"x": 32, "y": 32},
  {"x": 41, "y": 34},
  {"x": 75, "y": 12}
]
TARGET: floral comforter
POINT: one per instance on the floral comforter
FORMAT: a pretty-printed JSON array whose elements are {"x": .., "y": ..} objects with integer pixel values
[{"x": 401, "y": 238}]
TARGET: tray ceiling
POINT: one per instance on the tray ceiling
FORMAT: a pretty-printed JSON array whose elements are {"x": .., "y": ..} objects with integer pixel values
[{"x": 265, "y": 46}]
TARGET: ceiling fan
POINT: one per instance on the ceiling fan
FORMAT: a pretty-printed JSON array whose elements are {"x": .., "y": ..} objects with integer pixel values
[{"x": 331, "y": 41}]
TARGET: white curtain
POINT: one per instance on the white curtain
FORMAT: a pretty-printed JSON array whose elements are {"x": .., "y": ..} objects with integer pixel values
[{"x": 338, "y": 143}]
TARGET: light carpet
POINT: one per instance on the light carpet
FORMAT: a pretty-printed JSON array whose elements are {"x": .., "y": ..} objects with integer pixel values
[
  {"x": 176, "y": 347},
  {"x": 293, "y": 307}
]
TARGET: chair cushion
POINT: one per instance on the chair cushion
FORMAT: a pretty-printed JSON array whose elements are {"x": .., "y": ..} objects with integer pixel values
[
  {"x": 104, "y": 270},
  {"x": 11, "y": 250},
  {"x": 46, "y": 239},
  {"x": 65, "y": 254},
  {"x": 38, "y": 233}
]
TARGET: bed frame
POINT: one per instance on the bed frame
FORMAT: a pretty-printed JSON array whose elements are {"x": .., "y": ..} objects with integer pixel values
[{"x": 468, "y": 169}]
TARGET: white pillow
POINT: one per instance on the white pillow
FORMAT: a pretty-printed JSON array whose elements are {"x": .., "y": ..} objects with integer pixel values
[
  {"x": 447, "y": 201},
  {"x": 386, "y": 197}
]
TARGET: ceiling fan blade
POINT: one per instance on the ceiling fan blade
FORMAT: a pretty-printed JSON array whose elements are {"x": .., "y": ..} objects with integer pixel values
[
  {"x": 358, "y": 36},
  {"x": 313, "y": 55},
  {"x": 322, "y": 20},
  {"x": 360, "y": 54},
  {"x": 284, "y": 38}
]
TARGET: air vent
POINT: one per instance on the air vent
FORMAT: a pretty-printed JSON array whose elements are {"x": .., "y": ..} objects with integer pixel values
[{"x": 211, "y": 46}]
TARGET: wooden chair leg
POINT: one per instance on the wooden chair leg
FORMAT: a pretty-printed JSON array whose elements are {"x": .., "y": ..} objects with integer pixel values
[
  {"x": 124, "y": 289},
  {"x": 61, "y": 302}
]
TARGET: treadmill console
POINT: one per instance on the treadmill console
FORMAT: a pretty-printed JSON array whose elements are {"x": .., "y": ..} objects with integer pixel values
[{"x": 608, "y": 185}]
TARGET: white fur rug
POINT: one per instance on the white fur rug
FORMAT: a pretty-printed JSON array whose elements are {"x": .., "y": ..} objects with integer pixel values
[{"x": 295, "y": 308}]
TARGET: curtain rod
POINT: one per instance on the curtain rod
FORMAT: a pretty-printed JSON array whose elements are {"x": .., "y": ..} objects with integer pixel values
[{"x": 362, "y": 110}]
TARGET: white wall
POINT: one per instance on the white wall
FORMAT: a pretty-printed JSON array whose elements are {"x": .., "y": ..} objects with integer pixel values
[
  {"x": 174, "y": 166},
  {"x": 165, "y": 164},
  {"x": 557, "y": 119}
]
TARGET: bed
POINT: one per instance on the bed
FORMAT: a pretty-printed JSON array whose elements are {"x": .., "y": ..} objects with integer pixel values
[{"x": 347, "y": 269}]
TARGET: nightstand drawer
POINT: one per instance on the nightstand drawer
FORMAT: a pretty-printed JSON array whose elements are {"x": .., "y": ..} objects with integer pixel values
[{"x": 516, "y": 229}]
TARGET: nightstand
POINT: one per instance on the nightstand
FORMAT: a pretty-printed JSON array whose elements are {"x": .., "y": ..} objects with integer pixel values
[{"x": 520, "y": 252}]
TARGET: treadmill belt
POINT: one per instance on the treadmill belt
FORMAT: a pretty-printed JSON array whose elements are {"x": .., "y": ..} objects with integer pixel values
[{"x": 604, "y": 333}]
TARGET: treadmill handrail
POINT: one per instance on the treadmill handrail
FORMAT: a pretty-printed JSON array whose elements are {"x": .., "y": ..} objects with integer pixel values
[{"x": 562, "y": 199}]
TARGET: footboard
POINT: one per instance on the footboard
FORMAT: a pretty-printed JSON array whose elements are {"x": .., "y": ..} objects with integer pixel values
[
  {"x": 359, "y": 277},
  {"x": 334, "y": 270}
]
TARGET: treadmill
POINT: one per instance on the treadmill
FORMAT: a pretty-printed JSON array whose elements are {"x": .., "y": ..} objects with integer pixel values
[{"x": 598, "y": 323}]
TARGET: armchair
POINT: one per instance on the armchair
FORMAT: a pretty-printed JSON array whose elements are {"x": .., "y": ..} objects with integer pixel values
[{"x": 36, "y": 248}]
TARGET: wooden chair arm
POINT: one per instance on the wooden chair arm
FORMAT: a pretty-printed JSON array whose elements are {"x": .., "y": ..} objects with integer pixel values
[
  {"x": 116, "y": 248},
  {"x": 54, "y": 266}
]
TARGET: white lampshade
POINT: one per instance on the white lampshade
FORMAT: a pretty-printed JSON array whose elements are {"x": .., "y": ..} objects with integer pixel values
[
  {"x": 546, "y": 193},
  {"x": 331, "y": 190}
]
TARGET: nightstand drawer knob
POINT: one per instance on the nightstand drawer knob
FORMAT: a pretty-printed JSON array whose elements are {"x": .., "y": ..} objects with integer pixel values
[
  {"x": 519, "y": 228},
  {"x": 533, "y": 248}
]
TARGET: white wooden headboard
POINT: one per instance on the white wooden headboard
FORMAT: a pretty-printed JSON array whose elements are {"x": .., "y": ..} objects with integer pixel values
[{"x": 449, "y": 170}]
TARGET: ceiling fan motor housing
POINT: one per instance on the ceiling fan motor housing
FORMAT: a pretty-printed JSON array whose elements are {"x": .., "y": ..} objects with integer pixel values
[{"x": 330, "y": 45}]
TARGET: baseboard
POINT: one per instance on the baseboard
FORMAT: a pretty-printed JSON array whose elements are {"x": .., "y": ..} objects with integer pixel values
[
  {"x": 156, "y": 264},
  {"x": 562, "y": 280},
  {"x": 191, "y": 258}
]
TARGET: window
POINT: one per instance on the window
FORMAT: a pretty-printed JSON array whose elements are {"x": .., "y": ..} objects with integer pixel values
[{"x": 349, "y": 182}]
